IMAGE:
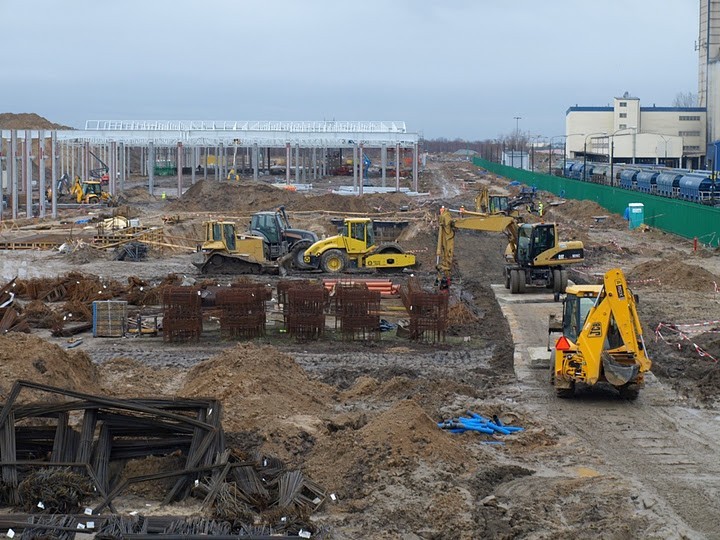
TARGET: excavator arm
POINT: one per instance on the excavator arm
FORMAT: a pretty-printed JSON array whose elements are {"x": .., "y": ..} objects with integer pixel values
[{"x": 447, "y": 225}]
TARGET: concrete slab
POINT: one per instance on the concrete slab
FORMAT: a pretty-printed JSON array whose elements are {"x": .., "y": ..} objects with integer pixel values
[
  {"x": 532, "y": 296},
  {"x": 539, "y": 357}
]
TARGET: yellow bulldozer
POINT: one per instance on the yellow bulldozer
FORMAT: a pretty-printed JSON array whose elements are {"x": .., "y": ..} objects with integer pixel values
[
  {"x": 355, "y": 249},
  {"x": 271, "y": 245},
  {"x": 601, "y": 341},
  {"x": 535, "y": 255}
]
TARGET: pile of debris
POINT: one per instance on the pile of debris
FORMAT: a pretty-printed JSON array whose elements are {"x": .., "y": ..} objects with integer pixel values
[
  {"x": 50, "y": 466},
  {"x": 10, "y": 318}
]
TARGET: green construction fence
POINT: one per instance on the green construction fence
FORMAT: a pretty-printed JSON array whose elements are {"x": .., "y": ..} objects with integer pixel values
[{"x": 683, "y": 218}]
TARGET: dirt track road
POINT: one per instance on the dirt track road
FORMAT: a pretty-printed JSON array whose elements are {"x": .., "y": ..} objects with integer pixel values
[{"x": 666, "y": 451}]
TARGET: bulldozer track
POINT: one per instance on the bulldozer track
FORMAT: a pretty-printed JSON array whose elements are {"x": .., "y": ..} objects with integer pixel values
[{"x": 657, "y": 443}]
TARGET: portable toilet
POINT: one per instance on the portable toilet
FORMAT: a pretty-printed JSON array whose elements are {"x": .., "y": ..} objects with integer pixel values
[{"x": 636, "y": 214}]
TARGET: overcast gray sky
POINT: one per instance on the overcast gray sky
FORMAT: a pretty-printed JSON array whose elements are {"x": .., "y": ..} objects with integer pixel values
[{"x": 450, "y": 69}]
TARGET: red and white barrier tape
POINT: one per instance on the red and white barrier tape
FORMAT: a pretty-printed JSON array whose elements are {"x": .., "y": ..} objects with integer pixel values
[{"x": 674, "y": 327}]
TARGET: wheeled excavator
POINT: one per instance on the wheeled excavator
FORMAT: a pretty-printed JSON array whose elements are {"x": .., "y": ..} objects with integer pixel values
[
  {"x": 601, "y": 339},
  {"x": 535, "y": 255}
]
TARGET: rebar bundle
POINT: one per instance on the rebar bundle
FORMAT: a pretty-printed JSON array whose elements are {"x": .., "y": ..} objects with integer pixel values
[
  {"x": 305, "y": 311},
  {"x": 182, "y": 313},
  {"x": 428, "y": 312},
  {"x": 242, "y": 311},
  {"x": 358, "y": 313}
]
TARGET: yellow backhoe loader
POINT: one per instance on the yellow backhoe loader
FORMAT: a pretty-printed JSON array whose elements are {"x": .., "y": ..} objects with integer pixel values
[
  {"x": 355, "y": 249},
  {"x": 601, "y": 339},
  {"x": 89, "y": 192},
  {"x": 535, "y": 255}
]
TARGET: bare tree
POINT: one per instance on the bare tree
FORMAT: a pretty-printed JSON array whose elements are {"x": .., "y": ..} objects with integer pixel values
[{"x": 685, "y": 99}]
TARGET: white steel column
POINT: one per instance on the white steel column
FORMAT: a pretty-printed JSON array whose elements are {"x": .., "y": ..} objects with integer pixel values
[
  {"x": 397, "y": 167},
  {"x": 14, "y": 176},
  {"x": 288, "y": 155},
  {"x": 193, "y": 163},
  {"x": 27, "y": 164},
  {"x": 151, "y": 167},
  {"x": 54, "y": 172},
  {"x": 179, "y": 168},
  {"x": 314, "y": 163},
  {"x": 41, "y": 172},
  {"x": 123, "y": 166},
  {"x": 383, "y": 163},
  {"x": 415, "y": 167},
  {"x": 354, "y": 160},
  {"x": 361, "y": 172},
  {"x": 113, "y": 169}
]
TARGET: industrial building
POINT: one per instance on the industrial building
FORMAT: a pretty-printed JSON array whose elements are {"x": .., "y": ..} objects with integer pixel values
[
  {"x": 685, "y": 137},
  {"x": 628, "y": 132}
]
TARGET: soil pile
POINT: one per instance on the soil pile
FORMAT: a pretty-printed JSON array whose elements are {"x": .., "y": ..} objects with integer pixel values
[
  {"x": 265, "y": 392},
  {"x": 27, "y": 121},
  {"x": 675, "y": 273},
  {"x": 211, "y": 196},
  {"x": 31, "y": 358},
  {"x": 126, "y": 377},
  {"x": 395, "y": 440}
]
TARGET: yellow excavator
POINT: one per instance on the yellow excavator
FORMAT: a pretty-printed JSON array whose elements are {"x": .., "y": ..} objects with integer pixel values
[
  {"x": 493, "y": 203},
  {"x": 601, "y": 339},
  {"x": 89, "y": 192},
  {"x": 535, "y": 255},
  {"x": 354, "y": 249}
]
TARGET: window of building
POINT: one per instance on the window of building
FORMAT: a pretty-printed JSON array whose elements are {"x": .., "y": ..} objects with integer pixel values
[
  {"x": 622, "y": 104},
  {"x": 691, "y": 148},
  {"x": 623, "y": 126},
  {"x": 689, "y": 118},
  {"x": 689, "y": 133},
  {"x": 623, "y": 115}
]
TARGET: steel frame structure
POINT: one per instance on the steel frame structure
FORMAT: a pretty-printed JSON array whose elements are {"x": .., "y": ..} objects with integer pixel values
[{"x": 268, "y": 134}]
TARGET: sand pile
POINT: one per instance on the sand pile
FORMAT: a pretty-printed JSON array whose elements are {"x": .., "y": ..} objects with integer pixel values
[
  {"x": 127, "y": 377},
  {"x": 675, "y": 273},
  {"x": 265, "y": 392},
  {"x": 32, "y": 358}
]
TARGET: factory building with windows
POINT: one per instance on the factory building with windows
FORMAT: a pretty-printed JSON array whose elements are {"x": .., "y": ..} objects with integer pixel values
[{"x": 628, "y": 132}]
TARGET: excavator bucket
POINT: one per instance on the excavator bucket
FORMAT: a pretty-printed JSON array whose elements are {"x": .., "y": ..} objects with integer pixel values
[{"x": 618, "y": 374}]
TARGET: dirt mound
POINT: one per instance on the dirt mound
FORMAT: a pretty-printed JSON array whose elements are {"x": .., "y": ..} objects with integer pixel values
[
  {"x": 126, "y": 377},
  {"x": 584, "y": 212},
  {"x": 675, "y": 273},
  {"x": 397, "y": 439},
  {"x": 265, "y": 392},
  {"x": 136, "y": 195},
  {"x": 27, "y": 121},
  {"x": 32, "y": 358},
  {"x": 251, "y": 197},
  {"x": 209, "y": 195}
]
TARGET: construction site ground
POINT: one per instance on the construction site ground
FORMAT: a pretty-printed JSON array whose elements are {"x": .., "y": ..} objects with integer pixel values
[{"x": 360, "y": 417}]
